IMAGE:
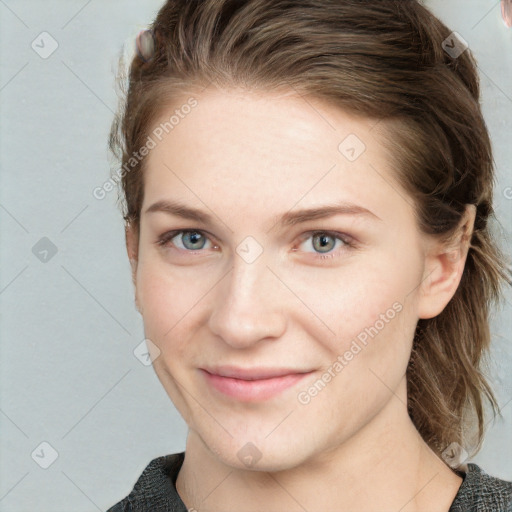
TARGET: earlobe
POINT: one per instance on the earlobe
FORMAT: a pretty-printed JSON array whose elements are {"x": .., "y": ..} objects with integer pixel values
[
  {"x": 441, "y": 280},
  {"x": 444, "y": 266},
  {"x": 132, "y": 247},
  {"x": 132, "y": 244}
]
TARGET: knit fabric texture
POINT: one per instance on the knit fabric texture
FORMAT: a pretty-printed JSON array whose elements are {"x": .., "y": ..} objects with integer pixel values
[{"x": 155, "y": 490}]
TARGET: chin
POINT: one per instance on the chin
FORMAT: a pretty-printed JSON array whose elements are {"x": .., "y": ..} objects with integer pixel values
[{"x": 260, "y": 454}]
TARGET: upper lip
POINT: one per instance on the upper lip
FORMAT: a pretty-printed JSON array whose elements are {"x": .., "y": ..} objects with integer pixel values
[{"x": 256, "y": 373}]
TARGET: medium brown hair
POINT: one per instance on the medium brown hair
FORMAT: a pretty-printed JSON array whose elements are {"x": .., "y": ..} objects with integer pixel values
[{"x": 383, "y": 60}]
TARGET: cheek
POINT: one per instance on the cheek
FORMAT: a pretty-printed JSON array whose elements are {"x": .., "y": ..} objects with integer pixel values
[
  {"x": 365, "y": 298},
  {"x": 172, "y": 302},
  {"x": 371, "y": 310},
  {"x": 367, "y": 359},
  {"x": 163, "y": 299}
]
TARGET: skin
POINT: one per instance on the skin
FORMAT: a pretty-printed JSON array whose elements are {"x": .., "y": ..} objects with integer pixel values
[{"x": 245, "y": 158}]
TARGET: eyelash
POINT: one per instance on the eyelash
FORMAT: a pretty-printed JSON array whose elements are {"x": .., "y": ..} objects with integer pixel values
[{"x": 348, "y": 243}]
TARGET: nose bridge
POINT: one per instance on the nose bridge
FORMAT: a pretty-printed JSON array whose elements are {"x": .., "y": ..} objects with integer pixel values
[{"x": 248, "y": 307}]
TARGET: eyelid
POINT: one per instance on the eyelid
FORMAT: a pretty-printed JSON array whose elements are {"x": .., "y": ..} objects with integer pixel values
[
  {"x": 349, "y": 242},
  {"x": 335, "y": 234},
  {"x": 165, "y": 239}
]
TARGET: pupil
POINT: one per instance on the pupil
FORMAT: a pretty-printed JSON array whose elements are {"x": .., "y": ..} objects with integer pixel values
[
  {"x": 323, "y": 242},
  {"x": 193, "y": 238}
]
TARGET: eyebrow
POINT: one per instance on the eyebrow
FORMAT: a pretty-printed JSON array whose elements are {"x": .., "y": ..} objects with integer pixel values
[{"x": 289, "y": 218}]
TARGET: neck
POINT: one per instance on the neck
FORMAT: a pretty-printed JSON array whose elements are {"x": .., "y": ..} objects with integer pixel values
[{"x": 384, "y": 466}]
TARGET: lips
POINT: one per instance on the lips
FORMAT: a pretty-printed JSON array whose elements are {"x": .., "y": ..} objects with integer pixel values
[
  {"x": 252, "y": 384},
  {"x": 258, "y": 373}
]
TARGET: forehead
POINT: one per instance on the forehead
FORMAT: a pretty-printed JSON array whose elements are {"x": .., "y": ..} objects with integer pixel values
[
  {"x": 236, "y": 122},
  {"x": 261, "y": 151}
]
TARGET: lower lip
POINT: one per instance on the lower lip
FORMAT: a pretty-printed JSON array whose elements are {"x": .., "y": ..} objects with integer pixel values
[{"x": 253, "y": 390}]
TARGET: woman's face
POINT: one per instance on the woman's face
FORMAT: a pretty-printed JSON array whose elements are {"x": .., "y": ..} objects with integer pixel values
[{"x": 263, "y": 283}]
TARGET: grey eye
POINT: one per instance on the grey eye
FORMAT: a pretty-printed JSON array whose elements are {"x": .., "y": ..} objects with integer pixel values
[
  {"x": 192, "y": 240},
  {"x": 323, "y": 242}
]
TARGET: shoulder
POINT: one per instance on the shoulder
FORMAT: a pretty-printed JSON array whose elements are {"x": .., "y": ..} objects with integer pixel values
[
  {"x": 155, "y": 488},
  {"x": 481, "y": 492}
]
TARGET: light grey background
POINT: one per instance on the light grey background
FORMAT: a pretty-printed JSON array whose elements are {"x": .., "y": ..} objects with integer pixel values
[{"x": 68, "y": 325}]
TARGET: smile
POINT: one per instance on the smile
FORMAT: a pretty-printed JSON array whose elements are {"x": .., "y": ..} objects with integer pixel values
[{"x": 252, "y": 389}]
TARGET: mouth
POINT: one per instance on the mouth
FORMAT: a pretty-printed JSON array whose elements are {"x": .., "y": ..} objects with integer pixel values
[{"x": 252, "y": 385}]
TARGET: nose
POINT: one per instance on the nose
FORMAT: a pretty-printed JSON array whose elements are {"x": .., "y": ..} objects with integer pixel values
[{"x": 250, "y": 305}]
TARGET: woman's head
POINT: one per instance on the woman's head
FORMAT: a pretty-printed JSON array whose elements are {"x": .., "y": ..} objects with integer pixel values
[{"x": 249, "y": 110}]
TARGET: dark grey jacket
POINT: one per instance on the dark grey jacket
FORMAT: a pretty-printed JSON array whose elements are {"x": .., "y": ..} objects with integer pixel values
[{"x": 155, "y": 490}]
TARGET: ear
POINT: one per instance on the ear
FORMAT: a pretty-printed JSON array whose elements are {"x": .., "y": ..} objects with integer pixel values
[
  {"x": 444, "y": 265},
  {"x": 132, "y": 248}
]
